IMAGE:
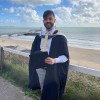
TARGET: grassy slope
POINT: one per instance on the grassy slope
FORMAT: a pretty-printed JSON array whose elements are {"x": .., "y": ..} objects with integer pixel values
[{"x": 79, "y": 86}]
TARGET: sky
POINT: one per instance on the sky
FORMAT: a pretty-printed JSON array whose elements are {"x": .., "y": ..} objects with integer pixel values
[{"x": 69, "y": 13}]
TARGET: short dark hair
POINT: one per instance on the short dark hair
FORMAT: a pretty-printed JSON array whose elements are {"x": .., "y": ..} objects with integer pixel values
[{"x": 48, "y": 13}]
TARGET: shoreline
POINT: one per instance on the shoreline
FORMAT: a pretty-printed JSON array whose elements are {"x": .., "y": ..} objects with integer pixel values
[
  {"x": 77, "y": 43},
  {"x": 78, "y": 56}
]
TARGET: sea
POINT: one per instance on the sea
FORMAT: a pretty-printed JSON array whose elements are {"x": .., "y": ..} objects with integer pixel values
[{"x": 81, "y": 37}]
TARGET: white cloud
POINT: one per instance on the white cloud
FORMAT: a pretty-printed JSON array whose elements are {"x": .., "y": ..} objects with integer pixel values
[
  {"x": 88, "y": 9},
  {"x": 58, "y": 20},
  {"x": 9, "y": 21},
  {"x": 85, "y": 12},
  {"x": 18, "y": 14},
  {"x": 24, "y": 13},
  {"x": 10, "y": 10},
  {"x": 81, "y": 11},
  {"x": 36, "y": 2},
  {"x": 63, "y": 12},
  {"x": 27, "y": 14}
]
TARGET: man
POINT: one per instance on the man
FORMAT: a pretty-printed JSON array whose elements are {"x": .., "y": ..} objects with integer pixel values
[{"x": 52, "y": 79}]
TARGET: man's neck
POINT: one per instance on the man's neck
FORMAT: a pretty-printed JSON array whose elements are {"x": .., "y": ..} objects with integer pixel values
[{"x": 50, "y": 29}]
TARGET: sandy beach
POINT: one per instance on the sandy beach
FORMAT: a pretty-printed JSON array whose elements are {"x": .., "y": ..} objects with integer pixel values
[
  {"x": 12, "y": 42},
  {"x": 78, "y": 56}
]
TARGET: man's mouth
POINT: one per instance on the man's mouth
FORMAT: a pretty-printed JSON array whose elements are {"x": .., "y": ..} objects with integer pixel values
[{"x": 48, "y": 24}]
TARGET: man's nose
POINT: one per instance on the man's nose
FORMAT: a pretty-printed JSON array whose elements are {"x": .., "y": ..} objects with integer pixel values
[{"x": 48, "y": 20}]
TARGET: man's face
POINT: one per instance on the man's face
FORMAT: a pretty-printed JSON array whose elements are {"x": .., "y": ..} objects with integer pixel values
[{"x": 49, "y": 22}]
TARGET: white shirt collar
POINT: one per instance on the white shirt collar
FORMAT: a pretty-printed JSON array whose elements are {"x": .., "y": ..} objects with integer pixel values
[{"x": 51, "y": 31}]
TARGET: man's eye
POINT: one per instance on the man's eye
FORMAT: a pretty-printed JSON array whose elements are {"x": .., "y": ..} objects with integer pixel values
[
  {"x": 47, "y": 18},
  {"x": 50, "y": 18}
]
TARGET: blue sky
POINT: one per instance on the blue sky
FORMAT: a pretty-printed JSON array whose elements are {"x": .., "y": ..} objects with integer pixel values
[{"x": 69, "y": 13}]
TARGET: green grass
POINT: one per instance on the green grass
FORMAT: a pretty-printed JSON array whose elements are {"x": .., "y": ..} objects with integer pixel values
[
  {"x": 18, "y": 76},
  {"x": 79, "y": 86}
]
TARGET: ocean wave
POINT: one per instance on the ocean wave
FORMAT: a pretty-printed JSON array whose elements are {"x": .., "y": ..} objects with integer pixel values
[{"x": 80, "y": 43}]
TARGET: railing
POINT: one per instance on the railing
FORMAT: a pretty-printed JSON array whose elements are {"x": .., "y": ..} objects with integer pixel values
[{"x": 81, "y": 69}]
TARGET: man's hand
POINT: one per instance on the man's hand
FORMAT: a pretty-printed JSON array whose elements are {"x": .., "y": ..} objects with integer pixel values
[{"x": 50, "y": 60}]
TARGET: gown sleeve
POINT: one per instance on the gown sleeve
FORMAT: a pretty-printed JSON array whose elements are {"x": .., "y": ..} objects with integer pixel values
[
  {"x": 33, "y": 48},
  {"x": 63, "y": 67},
  {"x": 33, "y": 78},
  {"x": 63, "y": 47}
]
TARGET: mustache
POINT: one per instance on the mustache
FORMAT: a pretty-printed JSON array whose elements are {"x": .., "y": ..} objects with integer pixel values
[{"x": 48, "y": 23}]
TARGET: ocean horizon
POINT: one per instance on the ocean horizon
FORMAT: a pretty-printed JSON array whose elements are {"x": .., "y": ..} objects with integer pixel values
[{"x": 81, "y": 37}]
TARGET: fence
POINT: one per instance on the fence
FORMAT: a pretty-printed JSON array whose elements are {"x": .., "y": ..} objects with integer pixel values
[{"x": 81, "y": 69}]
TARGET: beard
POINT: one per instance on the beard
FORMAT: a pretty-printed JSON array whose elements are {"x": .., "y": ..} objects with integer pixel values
[{"x": 48, "y": 25}]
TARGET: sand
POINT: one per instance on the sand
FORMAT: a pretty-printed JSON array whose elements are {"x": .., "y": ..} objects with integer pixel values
[
  {"x": 85, "y": 57},
  {"x": 78, "y": 56},
  {"x": 12, "y": 42}
]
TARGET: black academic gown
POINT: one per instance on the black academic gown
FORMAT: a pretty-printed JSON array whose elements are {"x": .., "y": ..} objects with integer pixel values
[{"x": 56, "y": 74}]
